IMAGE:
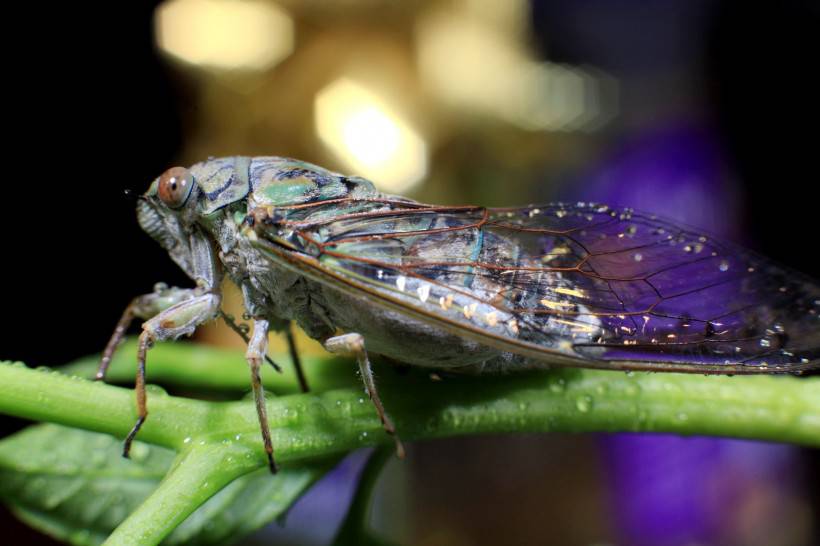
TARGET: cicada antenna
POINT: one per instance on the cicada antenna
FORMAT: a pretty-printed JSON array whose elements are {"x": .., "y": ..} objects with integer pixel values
[{"x": 131, "y": 195}]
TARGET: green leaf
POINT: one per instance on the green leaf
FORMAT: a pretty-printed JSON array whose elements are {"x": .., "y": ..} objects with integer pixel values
[
  {"x": 75, "y": 486},
  {"x": 247, "y": 504}
]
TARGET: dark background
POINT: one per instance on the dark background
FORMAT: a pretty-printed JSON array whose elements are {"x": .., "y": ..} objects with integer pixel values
[{"x": 92, "y": 110}]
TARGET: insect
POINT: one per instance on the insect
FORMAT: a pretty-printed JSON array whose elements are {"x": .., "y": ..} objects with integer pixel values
[{"x": 461, "y": 288}]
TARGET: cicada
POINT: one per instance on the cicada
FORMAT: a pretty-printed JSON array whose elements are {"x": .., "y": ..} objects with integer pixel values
[{"x": 459, "y": 288}]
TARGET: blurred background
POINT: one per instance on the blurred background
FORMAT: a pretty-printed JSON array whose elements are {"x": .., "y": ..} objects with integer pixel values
[{"x": 702, "y": 111}]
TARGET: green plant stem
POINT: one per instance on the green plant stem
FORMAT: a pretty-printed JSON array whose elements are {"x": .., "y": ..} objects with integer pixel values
[
  {"x": 197, "y": 475},
  {"x": 785, "y": 409},
  {"x": 314, "y": 425},
  {"x": 198, "y": 366},
  {"x": 45, "y": 395}
]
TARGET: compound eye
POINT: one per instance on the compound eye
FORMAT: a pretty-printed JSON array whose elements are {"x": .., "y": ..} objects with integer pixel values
[{"x": 175, "y": 186}]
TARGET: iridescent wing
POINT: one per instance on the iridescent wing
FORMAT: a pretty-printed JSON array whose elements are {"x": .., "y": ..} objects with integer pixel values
[{"x": 579, "y": 284}]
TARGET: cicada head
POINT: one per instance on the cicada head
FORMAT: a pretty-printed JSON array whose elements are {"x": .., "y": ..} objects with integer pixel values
[
  {"x": 165, "y": 213},
  {"x": 187, "y": 202},
  {"x": 181, "y": 200}
]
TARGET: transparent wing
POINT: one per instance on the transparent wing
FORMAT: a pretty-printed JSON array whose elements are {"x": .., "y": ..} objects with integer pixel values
[{"x": 601, "y": 287}]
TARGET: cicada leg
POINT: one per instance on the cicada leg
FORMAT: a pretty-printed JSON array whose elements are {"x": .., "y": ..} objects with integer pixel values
[
  {"x": 231, "y": 323},
  {"x": 294, "y": 354},
  {"x": 145, "y": 307},
  {"x": 257, "y": 348},
  {"x": 252, "y": 297},
  {"x": 294, "y": 357},
  {"x": 116, "y": 338},
  {"x": 179, "y": 319},
  {"x": 353, "y": 344}
]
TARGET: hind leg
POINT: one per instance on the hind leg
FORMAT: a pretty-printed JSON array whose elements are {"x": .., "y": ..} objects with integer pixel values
[{"x": 353, "y": 344}]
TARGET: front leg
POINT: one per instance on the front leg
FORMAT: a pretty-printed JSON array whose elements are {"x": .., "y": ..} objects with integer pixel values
[
  {"x": 353, "y": 344},
  {"x": 144, "y": 307},
  {"x": 178, "y": 320}
]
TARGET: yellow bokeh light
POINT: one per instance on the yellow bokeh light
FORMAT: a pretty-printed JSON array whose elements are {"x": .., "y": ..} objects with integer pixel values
[
  {"x": 471, "y": 65},
  {"x": 355, "y": 124},
  {"x": 250, "y": 35}
]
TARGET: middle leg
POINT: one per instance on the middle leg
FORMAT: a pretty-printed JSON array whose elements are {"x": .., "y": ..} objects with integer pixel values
[{"x": 257, "y": 349}]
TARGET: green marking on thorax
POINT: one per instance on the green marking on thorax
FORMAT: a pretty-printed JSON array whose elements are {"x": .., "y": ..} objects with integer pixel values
[{"x": 291, "y": 191}]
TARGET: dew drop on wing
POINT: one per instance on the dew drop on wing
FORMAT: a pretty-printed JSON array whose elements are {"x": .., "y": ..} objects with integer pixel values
[
  {"x": 601, "y": 285},
  {"x": 661, "y": 295}
]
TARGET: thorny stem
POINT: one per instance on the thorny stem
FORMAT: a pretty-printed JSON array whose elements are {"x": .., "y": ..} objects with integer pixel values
[{"x": 327, "y": 422}]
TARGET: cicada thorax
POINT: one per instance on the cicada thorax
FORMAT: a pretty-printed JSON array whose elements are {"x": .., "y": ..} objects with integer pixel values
[
  {"x": 270, "y": 182},
  {"x": 280, "y": 182},
  {"x": 271, "y": 198},
  {"x": 222, "y": 181}
]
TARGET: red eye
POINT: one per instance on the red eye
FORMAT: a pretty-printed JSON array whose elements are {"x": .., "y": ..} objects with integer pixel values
[{"x": 175, "y": 186}]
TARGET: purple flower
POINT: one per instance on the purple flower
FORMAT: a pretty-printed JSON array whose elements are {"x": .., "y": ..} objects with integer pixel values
[{"x": 668, "y": 490}]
